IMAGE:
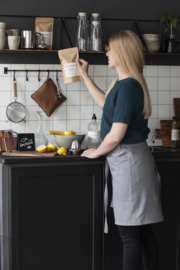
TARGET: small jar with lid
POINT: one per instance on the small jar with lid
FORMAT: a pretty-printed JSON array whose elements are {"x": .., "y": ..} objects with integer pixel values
[
  {"x": 96, "y": 33},
  {"x": 82, "y": 37}
]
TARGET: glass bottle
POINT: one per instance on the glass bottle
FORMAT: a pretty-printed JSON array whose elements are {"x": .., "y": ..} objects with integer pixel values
[
  {"x": 94, "y": 133},
  {"x": 82, "y": 38},
  {"x": 40, "y": 138},
  {"x": 96, "y": 33},
  {"x": 175, "y": 133}
]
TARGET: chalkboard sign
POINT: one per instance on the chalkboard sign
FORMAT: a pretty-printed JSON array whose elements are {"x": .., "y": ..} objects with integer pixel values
[{"x": 25, "y": 142}]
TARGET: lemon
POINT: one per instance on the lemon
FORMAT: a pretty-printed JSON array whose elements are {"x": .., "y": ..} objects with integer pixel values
[
  {"x": 51, "y": 146},
  {"x": 55, "y": 132},
  {"x": 41, "y": 149},
  {"x": 48, "y": 149},
  {"x": 62, "y": 151},
  {"x": 69, "y": 133}
]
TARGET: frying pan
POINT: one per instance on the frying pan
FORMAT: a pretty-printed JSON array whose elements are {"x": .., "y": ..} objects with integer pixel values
[{"x": 15, "y": 112}]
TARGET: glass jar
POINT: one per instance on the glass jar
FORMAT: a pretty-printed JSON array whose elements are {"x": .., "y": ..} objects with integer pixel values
[
  {"x": 40, "y": 138},
  {"x": 96, "y": 33},
  {"x": 82, "y": 37}
]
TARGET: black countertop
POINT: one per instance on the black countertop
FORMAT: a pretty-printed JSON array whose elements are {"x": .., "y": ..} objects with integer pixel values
[{"x": 158, "y": 156}]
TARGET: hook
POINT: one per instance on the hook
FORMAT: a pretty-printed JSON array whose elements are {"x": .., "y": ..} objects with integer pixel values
[
  {"x": 39, "y": 79},
  {"x": 57, "y": 76},
  {"x": 26, "y": 75},
  {"x": 48, "y": 74},
  {"x": 14, "y": 79}
]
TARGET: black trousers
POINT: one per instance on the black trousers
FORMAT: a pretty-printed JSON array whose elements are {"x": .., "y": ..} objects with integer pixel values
[{"x": 139, "y": 243}]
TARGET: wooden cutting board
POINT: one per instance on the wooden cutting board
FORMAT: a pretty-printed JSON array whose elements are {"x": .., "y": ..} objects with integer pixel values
[
  {"x": 176, "y": 102},
  {"x": 165, "y": 132},
  {"x": 15, "y": 153}
]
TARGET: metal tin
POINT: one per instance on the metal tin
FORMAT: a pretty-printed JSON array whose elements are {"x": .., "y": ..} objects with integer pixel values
[{"x": 27, "y": 39}]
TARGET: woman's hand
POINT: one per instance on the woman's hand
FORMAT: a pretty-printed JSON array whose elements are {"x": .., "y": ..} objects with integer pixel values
[
  {"x": 90, "y": 153},
  {"x": 83, "y": 67}
]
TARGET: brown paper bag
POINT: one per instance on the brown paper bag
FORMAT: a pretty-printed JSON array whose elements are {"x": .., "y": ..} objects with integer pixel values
[
  {"x": 69, "y": 66},
  {"x": 45, "y": 27}
]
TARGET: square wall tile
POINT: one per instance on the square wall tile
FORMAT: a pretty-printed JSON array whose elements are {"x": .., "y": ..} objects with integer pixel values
[
  {"x": 32, "y": 84},
  {"x": 29, "y": 101},
  {"x": 175, "y": 71},
  {"x": 174, "y": 94},
  {"x": 73, "y": 112},
  {"x": 163, "y": 83},
  {"x": 151, "y": 83},
  {"x": 73, "y": 125},
  {"x": 4, "y": 84},
  {"x": 100, "y": 82},
  {"x": 3, "y": 116},
  {"x": 153, "y": 97},
  {"x": 59, "y": 113},
  {"x": 151, "y": 71},
  {"x": 31, "y": 126},
  {"x": 46, "y": 125},
  {"x": 163, "y": 71},
  {"x": 163, "y": 97},
  {"x": 5, "y": 98},
  {"x": 4, "y": 125},
  {"x": 171, "y": 111},
  {"x": 99, "y": 70},
  {"x": 18, "y": 127},
  {"x": 86, "y": 112},
  {"x": 154, "y": 111},
  {"x": 163, "y": 111},
  {"x": 32, "y": 113},
  {"x": 73, "y": 86},
  {"x": 59, "y": 125},
  {"x": 86, "y": 98},
  {"x": 175, "y": 83},
  {"x": 73, "y": 97}
]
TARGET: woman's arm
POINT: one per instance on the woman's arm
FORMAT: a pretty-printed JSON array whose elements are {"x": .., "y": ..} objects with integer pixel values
[
  {"x": 97, "y": 94},
  {"x": 112, "y": 139}
]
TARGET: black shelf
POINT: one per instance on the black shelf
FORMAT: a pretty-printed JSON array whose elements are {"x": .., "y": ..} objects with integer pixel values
[{"x": 94, "y": 58}]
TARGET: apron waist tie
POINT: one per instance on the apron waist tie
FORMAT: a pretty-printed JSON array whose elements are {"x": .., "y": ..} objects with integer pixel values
[{"x": 106, "y": 196}]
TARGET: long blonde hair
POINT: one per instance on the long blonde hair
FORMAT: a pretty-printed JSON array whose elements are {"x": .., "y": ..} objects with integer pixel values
[{"x": 128, "y": 51}]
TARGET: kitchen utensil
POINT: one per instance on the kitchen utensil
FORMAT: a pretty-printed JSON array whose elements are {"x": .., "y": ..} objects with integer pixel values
[
  {"x": 75, "y": 147},
  {"x": 12, "y": 32},
  {"x": 13, "y": 42},
  {"x": 28, "y": 154},
  {"x": 176, "y": 102},
  {"x": 16, "y": 112},
  {"x": 2, "y": 42},
  {"x": 2, "y": 25},
  {"x": 66, "y": 141},
  {"x": 28, "y": 39},
  {"x": 58, "y": 96},
  {"x": 40, "y": 42},
  {"x": 7, "y": 141}
]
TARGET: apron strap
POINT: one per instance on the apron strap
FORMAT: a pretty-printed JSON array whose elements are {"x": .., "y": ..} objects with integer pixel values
[{"x": 106, "y": 196}]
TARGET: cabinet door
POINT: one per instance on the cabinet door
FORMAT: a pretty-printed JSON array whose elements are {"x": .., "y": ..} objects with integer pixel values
[
  {"x": 57, "y": 217},
  {"x": 166, "y": 232}
]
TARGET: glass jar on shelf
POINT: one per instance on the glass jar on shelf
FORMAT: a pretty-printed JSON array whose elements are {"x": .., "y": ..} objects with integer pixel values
[{"x": 82, "y": 37}]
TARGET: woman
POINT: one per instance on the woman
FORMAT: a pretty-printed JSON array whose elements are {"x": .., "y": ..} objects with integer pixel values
[{"x": 124, "y": 130}]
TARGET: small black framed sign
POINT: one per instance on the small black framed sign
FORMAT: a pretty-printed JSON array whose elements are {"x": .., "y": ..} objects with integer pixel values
[{"x": 25, "y": 142}]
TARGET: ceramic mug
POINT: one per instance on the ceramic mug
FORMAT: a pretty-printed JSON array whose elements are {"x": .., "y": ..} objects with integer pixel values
[
  {"x": 2, "y": 42},
  {"x": 13, "y": 42}
]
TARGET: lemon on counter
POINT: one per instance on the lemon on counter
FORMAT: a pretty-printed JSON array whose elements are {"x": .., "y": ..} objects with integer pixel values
[
  {"x": 51, "y": 146},
  {"x": 62, "y": 151},
  {"x": 41, "y": 149},
  {"x": 69, "y": 133}
]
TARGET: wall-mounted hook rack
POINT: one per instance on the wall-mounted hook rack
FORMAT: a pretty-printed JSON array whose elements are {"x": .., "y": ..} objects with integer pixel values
[{"x": 6, "y": 70}]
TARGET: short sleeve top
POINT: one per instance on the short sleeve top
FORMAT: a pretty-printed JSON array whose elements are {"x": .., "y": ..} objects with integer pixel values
[{"x": 125, "y": 103}]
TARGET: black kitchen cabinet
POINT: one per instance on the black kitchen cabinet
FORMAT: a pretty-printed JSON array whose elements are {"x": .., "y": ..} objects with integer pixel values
[
  {"x": 52, "y": 215},
  {"x": 56, "y": 212},
  {"x": 166, "y": 232}
]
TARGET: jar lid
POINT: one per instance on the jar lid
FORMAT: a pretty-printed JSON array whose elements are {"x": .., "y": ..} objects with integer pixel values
[
  {"x": 95, "y": 14},
  {"x": 82, "y": 13}
]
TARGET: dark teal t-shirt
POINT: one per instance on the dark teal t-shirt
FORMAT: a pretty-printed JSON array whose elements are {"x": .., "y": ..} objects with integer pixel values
[{"x": 125, "y": 103}]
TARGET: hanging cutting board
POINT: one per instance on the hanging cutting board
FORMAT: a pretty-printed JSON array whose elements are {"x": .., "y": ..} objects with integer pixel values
[{"x": 16, "y": 153}]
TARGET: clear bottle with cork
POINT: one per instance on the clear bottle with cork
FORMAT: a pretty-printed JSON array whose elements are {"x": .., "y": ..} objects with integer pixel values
[
  {"x": 175, "y": 133},
  {"x": 94, "y": 133}
]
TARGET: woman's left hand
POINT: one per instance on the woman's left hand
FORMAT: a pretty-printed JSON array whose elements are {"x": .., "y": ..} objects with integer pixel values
[{"x": 90, "y": 153}]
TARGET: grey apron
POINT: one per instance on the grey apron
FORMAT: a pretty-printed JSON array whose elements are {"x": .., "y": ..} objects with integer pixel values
[{"x": 136, "y": 185}]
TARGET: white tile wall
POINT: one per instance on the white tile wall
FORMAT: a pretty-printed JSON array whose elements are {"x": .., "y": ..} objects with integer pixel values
[{"x": 76, "y": 112}]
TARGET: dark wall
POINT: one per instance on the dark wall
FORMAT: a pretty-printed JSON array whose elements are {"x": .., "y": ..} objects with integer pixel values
[{"x": 129, "y": 9}]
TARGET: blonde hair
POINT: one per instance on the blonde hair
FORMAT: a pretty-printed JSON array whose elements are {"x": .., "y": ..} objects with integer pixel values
[{"x": 128, "y": 51}]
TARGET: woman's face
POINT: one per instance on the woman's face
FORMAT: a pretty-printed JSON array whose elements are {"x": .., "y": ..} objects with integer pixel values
[{"x": 111, "y": 62}]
